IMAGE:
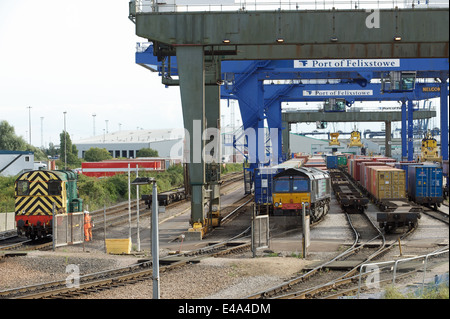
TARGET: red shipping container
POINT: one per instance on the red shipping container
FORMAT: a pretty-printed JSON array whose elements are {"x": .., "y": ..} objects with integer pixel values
[
  {"x": 384, "y": 159},
  {"x": 364, "y": 173},
  {"x": 355, "y": 168}
]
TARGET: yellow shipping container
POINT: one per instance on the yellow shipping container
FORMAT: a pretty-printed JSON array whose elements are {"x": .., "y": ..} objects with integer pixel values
[{"x": 388, "y": 183}]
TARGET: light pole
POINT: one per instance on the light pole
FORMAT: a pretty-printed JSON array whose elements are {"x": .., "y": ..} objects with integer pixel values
[
  {"x": 93, "y": 120},
  {"x": 65, "y": 142},
  {"x": 29, "y": 124},
  {"x": 42, "y": 132},
  {"x": 155, "y": 231}
]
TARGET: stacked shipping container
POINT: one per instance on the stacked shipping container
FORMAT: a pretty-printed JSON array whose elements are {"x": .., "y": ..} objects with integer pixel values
[
  {"x": 387, "y": 182},
  {"x": 425, "y": 184},
  {"x": 378, "y": 176},
  {"x": 317, "y": 162}
]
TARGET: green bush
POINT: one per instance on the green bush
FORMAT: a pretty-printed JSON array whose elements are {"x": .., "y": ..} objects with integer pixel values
[
  {"x": 7, "y": 193},
  {"x": 440, "y": 292},
  {"x": 97, "y": 192}
]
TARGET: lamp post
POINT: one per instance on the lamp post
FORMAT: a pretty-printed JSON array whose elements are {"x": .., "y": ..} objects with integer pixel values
[
  {"x": 155, "y": 231},
  {"x": 93, "y": 121},
  {"x": 29, "y": 124},
  {"x": 65, "y": 142},
  {"x": 42, "y": 132}
]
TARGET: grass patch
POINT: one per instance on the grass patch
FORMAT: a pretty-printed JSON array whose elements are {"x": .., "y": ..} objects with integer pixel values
[{"x": 440, "y": 292}]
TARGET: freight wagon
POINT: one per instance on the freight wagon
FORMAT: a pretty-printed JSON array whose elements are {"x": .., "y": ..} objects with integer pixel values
[{"x": 386, "y": 186}]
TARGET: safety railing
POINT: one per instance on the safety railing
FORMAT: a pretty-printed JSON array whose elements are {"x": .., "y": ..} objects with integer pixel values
[
  {"x": 143, "y": 6},
  {"x": 390, "y": 271},
  {"x": 68, "y": 229}
]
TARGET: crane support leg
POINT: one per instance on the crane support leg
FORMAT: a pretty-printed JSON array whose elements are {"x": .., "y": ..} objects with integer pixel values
[{"x": 444, "y": 119}]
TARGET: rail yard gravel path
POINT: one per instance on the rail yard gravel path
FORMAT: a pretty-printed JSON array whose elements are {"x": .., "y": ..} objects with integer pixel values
[{"x": 213, "y": 278}]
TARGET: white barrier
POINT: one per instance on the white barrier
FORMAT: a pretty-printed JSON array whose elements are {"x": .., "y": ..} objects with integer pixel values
[{"x": 7, "y": 222}]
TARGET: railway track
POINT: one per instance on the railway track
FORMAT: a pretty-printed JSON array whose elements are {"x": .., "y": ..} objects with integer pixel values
[
  {"x": 115, "y": 215},
  {"x": 122, "y": 276},
  {"x": 118, "y": 214},
  {"x": 24, "y": 244},
  {"x": 369, "y": 244},
  {"x": 119, "y": 277},
  {"x": 436, "y": 214},
  {"x": 91, "y": 283}
]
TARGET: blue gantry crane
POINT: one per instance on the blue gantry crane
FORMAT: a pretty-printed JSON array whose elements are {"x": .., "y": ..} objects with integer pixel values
[{"x": 255, "y": 84}]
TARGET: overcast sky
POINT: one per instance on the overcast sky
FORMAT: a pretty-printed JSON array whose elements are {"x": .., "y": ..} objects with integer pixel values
[{"x": 79, "y": 57}]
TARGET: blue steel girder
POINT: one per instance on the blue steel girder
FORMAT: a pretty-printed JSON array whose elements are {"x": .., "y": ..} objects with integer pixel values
[
  {"x": 350, "y": 91},
  {"x": 351, "y": 69},
  {"x": 355, "y": 74},
  {"x": 312, "y": 69}
]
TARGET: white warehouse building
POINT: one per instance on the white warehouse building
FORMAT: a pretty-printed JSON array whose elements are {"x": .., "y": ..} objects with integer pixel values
[
  {"x": 15, "y": 162},
  {"x": 127, "y": 143}
]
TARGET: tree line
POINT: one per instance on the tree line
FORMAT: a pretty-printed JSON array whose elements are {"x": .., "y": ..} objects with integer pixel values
[{"x": 9, "y": 141}]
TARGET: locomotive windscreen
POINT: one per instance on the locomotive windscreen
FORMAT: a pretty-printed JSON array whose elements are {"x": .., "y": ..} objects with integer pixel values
[
  {"x": 23, "y": 188},
  {"x": 282, "y": 185},
  {"x": 295, "y": 185},
  {"x": 300, "y": 185}
]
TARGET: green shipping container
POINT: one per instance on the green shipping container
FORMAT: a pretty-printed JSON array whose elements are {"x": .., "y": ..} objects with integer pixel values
[{"x": 342, "y": 160}]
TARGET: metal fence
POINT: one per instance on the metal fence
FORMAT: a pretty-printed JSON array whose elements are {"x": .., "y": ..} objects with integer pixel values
[
  {"x": 391, "y": 272},
  {"x": 142, "y": 6},
  {"x": 68, "y": 229}
]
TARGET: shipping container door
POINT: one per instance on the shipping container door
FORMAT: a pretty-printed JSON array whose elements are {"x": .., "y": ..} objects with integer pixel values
[
  {"x": 421, "y": 182},
  {"x": 436, "y": 182}
]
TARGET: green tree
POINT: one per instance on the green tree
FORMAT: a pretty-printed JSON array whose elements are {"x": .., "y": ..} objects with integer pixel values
[
  {"x": 95, "y": 154},
  {"x": 147, "y": 152},
  {"x": 52, "y": 150},
  {"x": 9, "y": 140},
  {"x": 72, "y": 152}
]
